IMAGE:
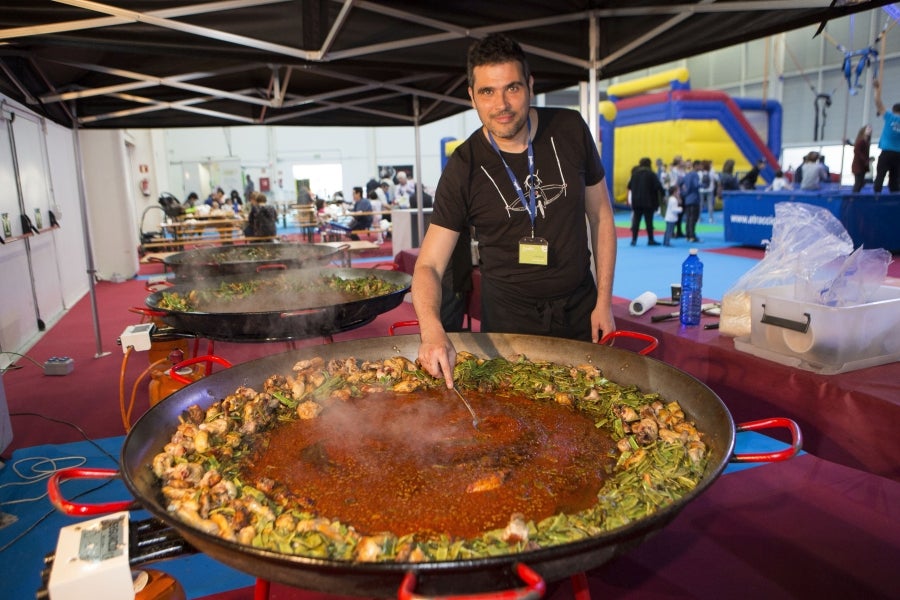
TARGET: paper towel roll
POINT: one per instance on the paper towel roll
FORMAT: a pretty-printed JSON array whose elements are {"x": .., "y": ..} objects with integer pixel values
[{"x": 642, "y": 303}]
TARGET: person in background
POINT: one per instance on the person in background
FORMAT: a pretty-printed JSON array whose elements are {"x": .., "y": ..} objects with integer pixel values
[
  {"x": 673, "y": 209},
  {"x": 216, "y": 199},
  {"x": 812, "y": 173},
  {"x": 727, "y": 179},
  {"x": 264, "y": 222},
  {"x": 191, "y": 201},
  {"x": 676, "y": 176},
  {"x": 823, "y": 168},
  {"x": 860, "y": 165},
  {"x": 249, "y": 188},
  {"x": 251, "y": 214},
  {"x": 379, "y": 192},
  {"x": 709, "y": 183},
  {"x": 690, "y": 201},
  {"x": 405, "y": 185},
  {"x": 889, "y": 143},
  {"x": 661, "y": 172},
  {"x": 361, "y": 204},
  {"x": 538, "y": 260},
  {"x": 645, "y": 193},
  {"x": 748, "y": 181},
  {"x": 235, "y": 201},
  {"x": 387, "y": 186},
  {"x": 427, "y": 199},
  {"x": 779, "y": 183}
]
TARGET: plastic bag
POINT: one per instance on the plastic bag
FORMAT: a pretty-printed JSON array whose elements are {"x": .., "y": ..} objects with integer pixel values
[
  {"x": 848, "y": 282},
  {"x": 805, "y": 238}
]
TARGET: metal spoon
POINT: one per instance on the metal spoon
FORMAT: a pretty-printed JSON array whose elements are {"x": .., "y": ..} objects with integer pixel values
[{"x": 475, "y": 419}]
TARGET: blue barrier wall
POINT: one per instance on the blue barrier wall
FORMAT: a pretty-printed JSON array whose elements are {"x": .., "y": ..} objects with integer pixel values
[{"x": 872, "y": 221}]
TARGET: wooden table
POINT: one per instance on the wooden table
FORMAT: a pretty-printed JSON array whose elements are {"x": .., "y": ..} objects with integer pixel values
[
  {"x": 224, "y": 227},
  {"x": 351, "y": 247}
]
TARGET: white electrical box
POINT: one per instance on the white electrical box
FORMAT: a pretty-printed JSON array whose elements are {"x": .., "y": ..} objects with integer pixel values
[
  {"x": 137, "y": 337},
  {"x": 91, "y": 561}
]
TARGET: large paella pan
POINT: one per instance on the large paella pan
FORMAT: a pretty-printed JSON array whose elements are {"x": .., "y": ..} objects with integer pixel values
[
  {"x": 457, "y": 575},
  {"x": 280, "y": 305}
]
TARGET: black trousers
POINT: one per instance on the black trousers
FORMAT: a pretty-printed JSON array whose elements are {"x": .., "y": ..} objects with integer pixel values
[
  {"x": 888, "y": 164},
  {"x": 691, "y": 214},
  {"x": 569, "y": 316},
  {"x": 647, "y": 215}
]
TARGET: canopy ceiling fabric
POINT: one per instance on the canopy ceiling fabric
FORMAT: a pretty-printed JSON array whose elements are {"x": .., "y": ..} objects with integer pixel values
[{"x": 184, "y": 63}]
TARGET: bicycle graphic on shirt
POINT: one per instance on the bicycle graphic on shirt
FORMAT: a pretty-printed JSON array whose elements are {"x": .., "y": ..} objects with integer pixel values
[{"x": 544, "y": 194}]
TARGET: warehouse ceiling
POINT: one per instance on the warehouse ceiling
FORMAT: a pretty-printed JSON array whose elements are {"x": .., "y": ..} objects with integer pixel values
[{"x": 182, "y": 63}]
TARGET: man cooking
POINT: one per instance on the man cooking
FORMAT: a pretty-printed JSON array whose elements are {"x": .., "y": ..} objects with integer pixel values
[{"x": 531, "y": 184}]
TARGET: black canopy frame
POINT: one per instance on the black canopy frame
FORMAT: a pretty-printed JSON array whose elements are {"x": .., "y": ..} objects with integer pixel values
[{"x": 188, "y": 63}]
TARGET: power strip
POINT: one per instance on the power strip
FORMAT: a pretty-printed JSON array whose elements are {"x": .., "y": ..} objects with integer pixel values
[
  {"x": 59, "y": 365},
  {"x": 91, "y": 561},
  {"x": 136, "y": 337}
]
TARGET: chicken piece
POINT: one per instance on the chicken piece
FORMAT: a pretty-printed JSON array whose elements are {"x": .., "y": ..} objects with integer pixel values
[
  {"x": 516, "y": 530},
  {"x": 489, "y": 482},
  {"x": 308, "y": 410},
  {"x": 370, "y": 548},
  {"x": 645, "y": 431}
]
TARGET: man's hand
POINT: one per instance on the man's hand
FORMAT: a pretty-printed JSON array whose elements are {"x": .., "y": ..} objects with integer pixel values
[
  {"x": 438, "y": 357},
  {"x": 602, "y": 322}
]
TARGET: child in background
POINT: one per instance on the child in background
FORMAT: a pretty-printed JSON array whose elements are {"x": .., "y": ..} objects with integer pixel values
[
  {"x": 673, "y": 209},
  {"x": 779, "y": 183}
]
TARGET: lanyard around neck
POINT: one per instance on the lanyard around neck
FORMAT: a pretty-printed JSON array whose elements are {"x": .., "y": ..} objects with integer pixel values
[{"x": 531, "y": 205}]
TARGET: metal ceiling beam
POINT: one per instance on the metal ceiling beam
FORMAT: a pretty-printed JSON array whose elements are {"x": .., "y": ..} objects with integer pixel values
[
  {"x": 153, "y": 105},
  {"x": 137, "y": 85},
  {"x": 99, "y": 22},
  {"x": 355, "y": 106},
  {"x": 207, "y": 32},
  {"x": 640, "y": 41},
  {"x": 173, "y": 82}
]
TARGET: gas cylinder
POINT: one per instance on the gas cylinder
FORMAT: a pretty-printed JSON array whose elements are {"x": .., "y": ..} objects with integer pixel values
[
  {"x": 160, "y": 348},
  {"x": 150, "y": 584},
  {"x": 161, "y": 382}
]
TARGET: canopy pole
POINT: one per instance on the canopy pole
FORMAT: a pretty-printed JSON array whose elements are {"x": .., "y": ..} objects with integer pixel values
[
  {"x": 420, "y": 213},
  {"x": 27, "y": 239},
  {"x": 593, "y": 94},
  {"x": 86, "y": 231}
]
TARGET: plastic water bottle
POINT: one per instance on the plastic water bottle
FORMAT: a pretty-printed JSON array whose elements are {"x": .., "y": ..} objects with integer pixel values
[{"x": 691, "y": 289}]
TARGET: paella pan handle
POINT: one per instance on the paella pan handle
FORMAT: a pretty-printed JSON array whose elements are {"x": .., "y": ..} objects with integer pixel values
[
  {"x": 394, "y": 326},
  {"x": 796, "y": 440},
  {"x": 271, "y": 267},
  {"x": 207, "y": 358},
  {"x": 147, "y": 312},
  {"x": 155, "y": 286},
  {"x": 534, "y": 588},
  {"x": 82, "y": 510},
  {"x": 652, "y": 342}
]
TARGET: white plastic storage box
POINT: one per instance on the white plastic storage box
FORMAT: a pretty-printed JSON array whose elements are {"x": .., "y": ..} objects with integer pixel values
[{"x": 821, "y": 338}]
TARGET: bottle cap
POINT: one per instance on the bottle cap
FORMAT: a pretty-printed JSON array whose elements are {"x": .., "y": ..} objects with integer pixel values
[{"x": 693, "y": 251}]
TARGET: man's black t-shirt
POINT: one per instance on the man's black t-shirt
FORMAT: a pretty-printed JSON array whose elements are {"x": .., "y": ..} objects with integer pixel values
[{"x": 476, "y": 189}]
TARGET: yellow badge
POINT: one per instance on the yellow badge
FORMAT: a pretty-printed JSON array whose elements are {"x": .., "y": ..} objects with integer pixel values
[{"x": 533, "y": 251}]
